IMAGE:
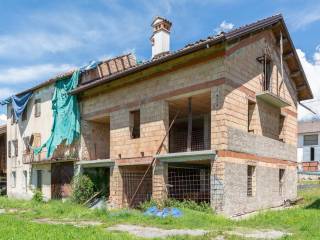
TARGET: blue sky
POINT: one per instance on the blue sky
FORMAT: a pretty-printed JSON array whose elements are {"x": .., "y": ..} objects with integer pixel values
[{"x": 39, "y": 39}]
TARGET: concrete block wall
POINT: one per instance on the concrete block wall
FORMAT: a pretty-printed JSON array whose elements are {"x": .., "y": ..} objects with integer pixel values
[
  {"x": 95, "y": 140},
  {"x": 154, "y": 119},
  {"x": 267, "y": 193}
]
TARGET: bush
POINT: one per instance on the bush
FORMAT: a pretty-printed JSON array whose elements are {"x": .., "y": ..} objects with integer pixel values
[
  {"x": 82, "y": 188},
  {"x": 37, "y": 196}
]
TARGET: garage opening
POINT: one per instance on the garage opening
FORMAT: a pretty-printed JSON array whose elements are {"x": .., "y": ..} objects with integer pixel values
[
  {"x": 189, "y": 182},
  {"x": 100, "y": 176},
  {"x": 131, "y": 177}
]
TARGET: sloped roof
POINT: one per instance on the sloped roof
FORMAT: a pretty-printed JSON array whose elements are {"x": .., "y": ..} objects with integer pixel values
[
  {"x": 108, "y": 67},
  {"x": 275, "y": 23},
  {"x": 309, "y": 126}
]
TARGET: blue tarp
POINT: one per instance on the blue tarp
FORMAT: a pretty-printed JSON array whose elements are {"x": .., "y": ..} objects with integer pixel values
[
  {"x": 19, "y": 103},
  {"x": 166, "y": 212}
]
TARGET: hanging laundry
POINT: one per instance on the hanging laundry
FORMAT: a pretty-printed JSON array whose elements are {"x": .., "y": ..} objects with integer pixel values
[{"x": 19, "y": 103}]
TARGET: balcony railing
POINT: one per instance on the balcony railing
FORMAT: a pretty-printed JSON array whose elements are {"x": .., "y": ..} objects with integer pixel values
[{"x": 61, "y": 153}]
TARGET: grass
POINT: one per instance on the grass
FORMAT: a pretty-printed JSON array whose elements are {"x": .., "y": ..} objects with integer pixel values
[{"x": 302, "y": 221}]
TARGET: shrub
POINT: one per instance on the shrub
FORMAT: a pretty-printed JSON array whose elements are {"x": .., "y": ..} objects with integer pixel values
[
  {"x": 82, "y": 188},
  {"x": 37, "y": 196}
]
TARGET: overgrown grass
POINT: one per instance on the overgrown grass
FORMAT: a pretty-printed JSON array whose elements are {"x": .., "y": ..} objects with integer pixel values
[{"x": 303, "y": 221}]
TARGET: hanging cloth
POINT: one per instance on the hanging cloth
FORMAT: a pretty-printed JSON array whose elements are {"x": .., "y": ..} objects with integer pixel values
[
  {"x": 66, "y": 115},
  {"x": 19, "y": 103}
]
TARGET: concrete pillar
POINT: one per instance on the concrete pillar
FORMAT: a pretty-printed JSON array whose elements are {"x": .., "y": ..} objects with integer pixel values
[
  {"x": 116, "y": 188},
  {"x": 160, "y": 181}
]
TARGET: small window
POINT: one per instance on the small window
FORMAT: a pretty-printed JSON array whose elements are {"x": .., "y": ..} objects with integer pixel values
[
  {"x": 13, "y": 118},
  {"x": 281, "y": 128},
  {"x": 26, "y": 141},
  {"x": 310, "y": 140},
  {"x": 135, "y": 124},
  {"x": 312, "y": 154},
  {"x": 24, "y": 114},
  {"x": 15, "y": 146},
  {"x": 251, "y": 181},
  {"x": 281, "y": 180},
  {"x": 37, "y": 104},
  {"x": 251, "y": 107},
  {"x": 39, "y": 180},
  {"x": 267, "y": 69},
  {"x": 14, "y": 179},
  {"x": 9, "y": 149}
]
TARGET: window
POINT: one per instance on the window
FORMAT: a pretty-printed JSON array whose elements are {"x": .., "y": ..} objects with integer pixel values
[
  {"x": 15, "y": 146},
  {"x": 312, "y": 154},
  {"x": 25, "y": 175},
  {"x": 13, "y": 179},
  {"x": 26, "y": 141},
  {"x": 281, "y": 180},
  {"x": 310, "y": 140},
  {"x": 24, "y": 114},
  {"x": 39, "y": 180},
  {"x": 37, "y": 105},
  {"x": 13, "y": 118},
  {"x": 9, "y": 149},
  {"x": 265, "y": 60},
  {"x": 251, "y": 181},
  {"x": 281, "y": 128},
  {"x": 135, "y": 124},
  {"x": 251, "y": 106}
]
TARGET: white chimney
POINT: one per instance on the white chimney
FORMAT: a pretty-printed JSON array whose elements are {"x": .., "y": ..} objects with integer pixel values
[{"x": 160, "y": 38}]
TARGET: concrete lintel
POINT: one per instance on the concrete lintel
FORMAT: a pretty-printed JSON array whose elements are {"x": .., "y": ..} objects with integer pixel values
[
  {"x": 96, "y": 163},
  {"x": 187, "y": 156}
]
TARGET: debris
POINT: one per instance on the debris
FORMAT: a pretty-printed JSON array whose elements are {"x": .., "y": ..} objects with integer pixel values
[
  {"x": 166, "y": 212},
  {"x": 152, "y": 232}
]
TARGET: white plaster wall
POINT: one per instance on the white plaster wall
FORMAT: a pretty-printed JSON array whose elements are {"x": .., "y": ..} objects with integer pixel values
[
  {"x": 304, "y": 151},
  {"x": 22, "y": 129}
]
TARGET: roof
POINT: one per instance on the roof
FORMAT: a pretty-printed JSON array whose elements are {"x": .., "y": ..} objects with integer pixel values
[
  {"x": 108, "y": 67},
  {"x": 3, "y": 129},
  {"x": 309, "y": 126},
  {"x": 120, "y": 69},
  {"x": 276, "y": 22}
]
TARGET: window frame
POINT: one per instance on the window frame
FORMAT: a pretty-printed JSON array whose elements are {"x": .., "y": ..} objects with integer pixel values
[
  {"x": 251, "y": 181},
  {"x": 13, "y": 179},
  {"x": 37, "y": 107},
  {"x": 310, "y": 143},
  {"x": 135, "y": 124}
]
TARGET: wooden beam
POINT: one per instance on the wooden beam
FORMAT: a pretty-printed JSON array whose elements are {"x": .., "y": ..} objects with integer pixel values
[
  {"x": 284, "y": 41},
  {"x": 288, "y": 55},
  {"x": 295, "y": 74},
  {"x": 189, "y": 137}
]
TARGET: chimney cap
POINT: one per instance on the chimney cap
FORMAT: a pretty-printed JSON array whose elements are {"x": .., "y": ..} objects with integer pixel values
[{"x": 162, "y": 19}]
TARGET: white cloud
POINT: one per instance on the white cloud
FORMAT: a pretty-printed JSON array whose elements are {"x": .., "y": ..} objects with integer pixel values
[
  {"x": 224, "y": 27},
  {"x": 5, "y": 92},
  {"x": 312, "y": 70},
  {"x": 31, "y": 73},
  {"x": 3, "y": 119},
  {"x": 303, "y": 17}
]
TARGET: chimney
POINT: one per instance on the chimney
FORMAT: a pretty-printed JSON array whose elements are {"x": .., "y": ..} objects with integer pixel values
[{"x": 160, "y": 38}]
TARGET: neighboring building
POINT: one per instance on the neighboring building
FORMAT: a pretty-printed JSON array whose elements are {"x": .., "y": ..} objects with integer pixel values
[
  {"x": 309, "y": 146},
  {"x": 232, "y": 145},
  {"x": 3, "y": 159}
]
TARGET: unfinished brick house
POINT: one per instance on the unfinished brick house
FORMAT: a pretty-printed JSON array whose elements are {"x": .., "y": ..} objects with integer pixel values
[
  {"x": 233, "y": 143},
  {"x": 214, "y": 122}
]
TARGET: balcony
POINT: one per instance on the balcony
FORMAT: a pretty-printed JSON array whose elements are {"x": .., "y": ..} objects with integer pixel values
[
  {"x": 62, "y": 153},
  {"x": 273, "y": 99},
  {"x": 191, "y": 130}
]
